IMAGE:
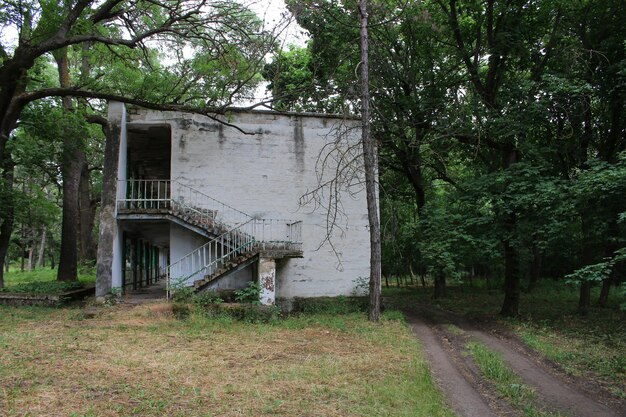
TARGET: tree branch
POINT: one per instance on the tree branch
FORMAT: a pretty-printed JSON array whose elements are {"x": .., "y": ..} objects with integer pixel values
[{"x": 210, "y": 112}]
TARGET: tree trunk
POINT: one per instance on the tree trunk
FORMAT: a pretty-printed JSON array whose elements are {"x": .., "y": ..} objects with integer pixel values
[
  {"x": 73, "y": 159},
  {"x": 610, "y": 247},
  {"x": 87, "y": 216},
  {"x": 440, "y": 285},
  {"x": 7, "y": 212},
  {"x": 369, "y": 157},
  {"x": 510, "y": 306},
  {"x": 535, "y": 271},
  {"x": 104, "y": 266},
  {"x": 42, "y": 249},
  {"x": 31, "y": 255},
  {"x": 604, "y": 292},
  {"x": 584, "y": 301},
  {"x": 512, "y": 286},
  {"x": 588, "y": 258}
]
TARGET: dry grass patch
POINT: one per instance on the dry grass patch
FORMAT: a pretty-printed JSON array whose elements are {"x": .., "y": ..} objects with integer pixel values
[{"x": 143, "y": 362}]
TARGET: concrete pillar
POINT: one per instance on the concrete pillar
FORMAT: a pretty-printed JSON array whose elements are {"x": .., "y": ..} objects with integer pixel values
[
  {"x": 266, "y": 272},
  {"x": 109, "y": 265}
]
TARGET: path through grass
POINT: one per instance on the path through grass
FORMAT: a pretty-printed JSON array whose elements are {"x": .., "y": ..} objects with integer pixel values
[{"x": 549, "y": 323}]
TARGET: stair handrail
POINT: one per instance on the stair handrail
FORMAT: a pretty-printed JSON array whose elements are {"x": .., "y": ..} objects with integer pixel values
[
  {"x": 159, "y": 194},
  {"x": 208, "y": 197},
  {"x": 243, "y": 233},
  {"x": 204, "y": 258}
]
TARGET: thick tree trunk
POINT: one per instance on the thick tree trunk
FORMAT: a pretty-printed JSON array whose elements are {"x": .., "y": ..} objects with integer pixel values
[
  {"x": 604, "y": 292},
  {"x": 87, "y": 216},
  {"x": 417, "y": 181},
  {"x": 369, "y": 157},
  {"x": 584, "y": 301},
  {"x": 7, "y": 213},
  {"x": 440, "y": 285},
  {"x": 611, "y": 245},
  {"x": 73, "y": 159},
  {"x": 104, "y": 266}
]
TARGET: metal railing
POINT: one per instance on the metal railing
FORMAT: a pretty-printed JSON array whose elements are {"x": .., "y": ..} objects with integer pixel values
[
  {"x": 278, "y": 234},
  {"x": 238, "y": 232},
  {"x": 207, "y": 259},
  {"x": 179, "y": 199}
]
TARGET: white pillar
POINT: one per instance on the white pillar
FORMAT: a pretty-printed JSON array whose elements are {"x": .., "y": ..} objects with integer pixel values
[
  {"x": 267, "y": 280},
  {"x": 117, "y": 115}
]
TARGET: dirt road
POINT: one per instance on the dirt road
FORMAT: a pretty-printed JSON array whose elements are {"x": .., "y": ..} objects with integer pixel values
[{"x": 472, "y": 396}]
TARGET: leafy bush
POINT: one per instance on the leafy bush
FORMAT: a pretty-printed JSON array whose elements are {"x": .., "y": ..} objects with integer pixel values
[
  {"x": 206, "y": 299},
  {"x": 250, "y": 294}
]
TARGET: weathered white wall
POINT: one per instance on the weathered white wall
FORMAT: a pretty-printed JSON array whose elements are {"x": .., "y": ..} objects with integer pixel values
[
  {"x": 265, "y": 175},
  {"x": 233, "y": 281},
  {"x": 182, "y": 242}
]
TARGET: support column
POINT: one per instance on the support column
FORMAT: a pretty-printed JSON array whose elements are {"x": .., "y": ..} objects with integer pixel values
[
  {"x": 266, "y": 275},
  {"x": 109, "y": 264}
]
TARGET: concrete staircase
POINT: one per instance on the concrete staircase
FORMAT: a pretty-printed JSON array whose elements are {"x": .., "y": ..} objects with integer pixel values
[
  {"x": 235, "y": 238},
  {"x": 226, "y": 268}
]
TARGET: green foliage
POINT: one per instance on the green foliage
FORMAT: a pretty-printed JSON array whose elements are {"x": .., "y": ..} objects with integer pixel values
[
  {"x": 250, "y": 294},
  {"x": 113, "y": 297},
  {"x": 490, "y": 137},
  {"x": 206, "y": 298},
  {"x": 182, "y": 293}
]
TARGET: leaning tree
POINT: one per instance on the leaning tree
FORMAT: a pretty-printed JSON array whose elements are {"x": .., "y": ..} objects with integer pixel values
[{"x": 191, "y": 55}]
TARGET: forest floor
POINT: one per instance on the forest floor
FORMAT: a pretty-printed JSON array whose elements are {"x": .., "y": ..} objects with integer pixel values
[{"x": 486, "y": 366}]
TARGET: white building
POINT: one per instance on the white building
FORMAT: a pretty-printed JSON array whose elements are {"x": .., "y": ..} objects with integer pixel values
[{"x": 267, "y": 196}]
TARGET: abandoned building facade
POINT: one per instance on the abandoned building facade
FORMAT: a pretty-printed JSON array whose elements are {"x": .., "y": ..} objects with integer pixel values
[{"x": 274, "y": 198}]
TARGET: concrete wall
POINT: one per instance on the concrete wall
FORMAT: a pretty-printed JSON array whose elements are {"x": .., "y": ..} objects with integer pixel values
[
  {"x": 182, "y": 242},
  {"x": 234, "y": 281},
  {"x": 266, "y": 174}
]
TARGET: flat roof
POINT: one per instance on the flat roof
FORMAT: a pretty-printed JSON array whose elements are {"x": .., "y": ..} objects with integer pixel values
[{"x": 227, "y": 110}]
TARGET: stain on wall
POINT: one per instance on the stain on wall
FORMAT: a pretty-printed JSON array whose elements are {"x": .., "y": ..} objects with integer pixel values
[{"x": 299, "y": 145}]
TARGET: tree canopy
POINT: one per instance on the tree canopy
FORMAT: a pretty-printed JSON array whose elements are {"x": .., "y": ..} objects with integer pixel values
[{"x": 493, "y": 120}]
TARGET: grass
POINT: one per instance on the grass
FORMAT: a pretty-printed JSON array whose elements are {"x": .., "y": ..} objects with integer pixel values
[
  {"x": 549, "y": 323},
  {"x": 144, "y": 362},
  {"x": 505, "y": 381},
  {"x": 43, "y": 280}
]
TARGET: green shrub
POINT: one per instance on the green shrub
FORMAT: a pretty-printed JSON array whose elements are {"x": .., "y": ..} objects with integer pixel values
[
  {"x": 250, "y": 294},
  {"x": 206, "y": 298}
]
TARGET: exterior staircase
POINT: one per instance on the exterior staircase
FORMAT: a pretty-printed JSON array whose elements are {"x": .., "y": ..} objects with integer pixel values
[{"x": 235, "y": 238}]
